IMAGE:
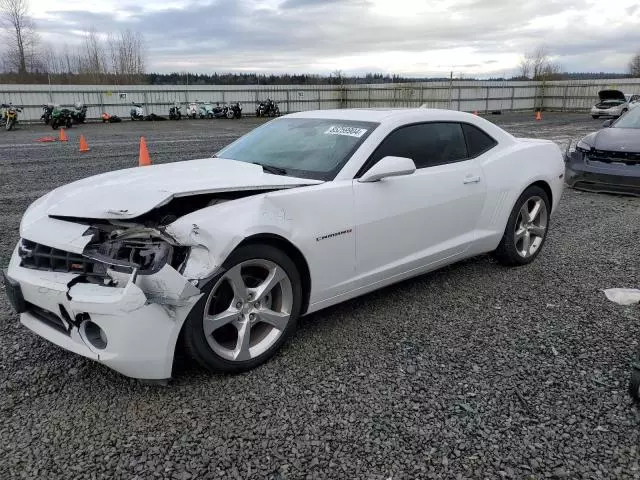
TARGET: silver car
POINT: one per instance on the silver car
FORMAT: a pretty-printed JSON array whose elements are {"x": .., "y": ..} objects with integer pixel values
[{"x": 614, "y": 103}]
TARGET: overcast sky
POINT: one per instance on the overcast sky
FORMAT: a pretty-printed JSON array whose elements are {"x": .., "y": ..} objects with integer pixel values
[{"x": 408, "y": 37}]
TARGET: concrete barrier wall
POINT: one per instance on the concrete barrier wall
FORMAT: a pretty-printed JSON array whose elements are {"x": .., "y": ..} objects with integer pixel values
[{"x": 483, "y": 96}]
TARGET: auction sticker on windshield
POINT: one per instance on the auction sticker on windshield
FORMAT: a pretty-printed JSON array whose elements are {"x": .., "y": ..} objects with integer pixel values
[{"x": 344, "y": 130}]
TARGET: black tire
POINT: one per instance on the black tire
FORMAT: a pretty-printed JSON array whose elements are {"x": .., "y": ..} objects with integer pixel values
[
  {"x": 10, "y": 124},
  {"x": 194, "y": 339},
  {"x": 507, "y": 253},
  {"x": 634, "y": 384},
  {"x": 595, "y": 116},
  {"x": 69, "y": 123},
  {"x": 54, "y": 124}
]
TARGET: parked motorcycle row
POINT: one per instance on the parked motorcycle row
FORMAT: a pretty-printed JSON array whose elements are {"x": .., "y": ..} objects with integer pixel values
[
  {"x": 194, "y": 110},
  {"x": 68, "y": 116},
  {"x": 63, "y": 116}
]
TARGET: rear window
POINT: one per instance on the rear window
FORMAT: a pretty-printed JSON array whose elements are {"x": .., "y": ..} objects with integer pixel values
[{"x": 478, "y": 141}]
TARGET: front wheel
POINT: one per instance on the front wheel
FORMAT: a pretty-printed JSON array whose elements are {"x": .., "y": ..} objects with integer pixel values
[
  {"x": 54, "y": 124},
  {"x": 10, "y": 124},
  {"x": 526, "y": 229},
  {"x": 247, "y": 312}
]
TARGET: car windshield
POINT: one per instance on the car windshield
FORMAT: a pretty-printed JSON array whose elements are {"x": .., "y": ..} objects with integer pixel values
[
  {"x": 301, "y": 147},
  {"x": 631, "y": 119}
]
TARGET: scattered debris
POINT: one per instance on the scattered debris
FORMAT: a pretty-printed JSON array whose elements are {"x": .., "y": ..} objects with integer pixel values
[{"x": 623, "y": 296}]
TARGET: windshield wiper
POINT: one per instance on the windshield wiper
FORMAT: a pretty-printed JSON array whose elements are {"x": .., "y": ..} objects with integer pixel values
[{"x": 272, "y": 169}]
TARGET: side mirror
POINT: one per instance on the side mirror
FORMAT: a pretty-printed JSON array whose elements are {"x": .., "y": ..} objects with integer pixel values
[
  {"x": 607, "y": 123},
  {"x": 388, "y": 167}
]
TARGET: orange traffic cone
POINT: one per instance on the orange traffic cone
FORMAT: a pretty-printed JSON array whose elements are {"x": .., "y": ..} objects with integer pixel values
[
  {"x": 143, "y": 159},
  {"x": 538, "y": 115},
  {"x": 63, "y": 136},
  {"x": 84, "y": 146}
]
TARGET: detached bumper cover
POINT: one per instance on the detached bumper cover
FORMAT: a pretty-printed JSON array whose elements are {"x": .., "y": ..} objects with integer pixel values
[
  {"x": 141, "y": 329},
  {"x": 594, "y": 176}
]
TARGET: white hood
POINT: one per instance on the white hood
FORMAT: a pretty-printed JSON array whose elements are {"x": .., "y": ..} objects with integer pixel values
[{"x": 125, "y": 194}]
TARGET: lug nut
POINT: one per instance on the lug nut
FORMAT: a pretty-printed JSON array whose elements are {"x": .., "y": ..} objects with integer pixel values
[
  {"x": 257, "y": 304},
  {"x": 239, "y": 305},
  {"x": 252, "y": 317}
]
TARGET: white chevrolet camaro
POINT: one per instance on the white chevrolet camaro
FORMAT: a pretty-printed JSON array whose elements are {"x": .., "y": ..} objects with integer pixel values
[{"x": 224, "y": 254}]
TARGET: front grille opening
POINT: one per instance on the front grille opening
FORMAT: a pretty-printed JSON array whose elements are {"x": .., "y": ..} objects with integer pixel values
[
  {"x": 49, "y": 318},
  {"x": 41, "y": 257}
]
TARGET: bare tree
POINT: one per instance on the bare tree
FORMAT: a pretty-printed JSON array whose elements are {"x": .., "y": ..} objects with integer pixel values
[
  {"x": 634, "y": 65},
  {"x": 22, "y": 38},
  {"x": 525, "y": 67},
  {"x": 127, "y": 53},
  {"x": 537, "y": 64},
  {"x": 93, "y": 59}
]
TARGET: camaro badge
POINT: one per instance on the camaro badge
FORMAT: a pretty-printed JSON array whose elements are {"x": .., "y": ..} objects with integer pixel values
[{"x": 331, "y": 235}]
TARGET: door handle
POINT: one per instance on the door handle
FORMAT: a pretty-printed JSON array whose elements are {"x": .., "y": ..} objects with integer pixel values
[{"x": 471, "y": 179}]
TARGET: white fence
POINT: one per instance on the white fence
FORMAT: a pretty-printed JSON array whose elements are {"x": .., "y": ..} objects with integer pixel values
[{"x": 481, "y": 96}]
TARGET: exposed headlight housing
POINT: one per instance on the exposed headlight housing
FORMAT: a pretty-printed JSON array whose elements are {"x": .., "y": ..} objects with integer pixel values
[
  {"x": 583, "y": 146},
  {"x": 141, "y": 252}
]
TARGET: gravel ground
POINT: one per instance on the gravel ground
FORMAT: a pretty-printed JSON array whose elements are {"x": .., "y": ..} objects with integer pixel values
[{"x": 474, "y": 371}]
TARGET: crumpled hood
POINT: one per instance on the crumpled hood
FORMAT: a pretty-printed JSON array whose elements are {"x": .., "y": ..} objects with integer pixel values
[
  {"x": 125, "y": 194},
  {"x": 611, "y": 95},
  {"x": 616, "y": 140}
]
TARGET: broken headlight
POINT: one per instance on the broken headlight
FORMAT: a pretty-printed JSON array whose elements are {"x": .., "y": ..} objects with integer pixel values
[{"x": 147, "y": 255}]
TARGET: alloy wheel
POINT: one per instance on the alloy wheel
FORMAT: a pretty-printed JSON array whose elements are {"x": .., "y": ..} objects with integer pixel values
[
  {"x": 531, "y": 226},
  {"x": 248, "y": 309}
]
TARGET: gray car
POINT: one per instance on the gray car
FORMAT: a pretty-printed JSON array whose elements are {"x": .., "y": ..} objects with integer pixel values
[{"x": 607, "y": 160}]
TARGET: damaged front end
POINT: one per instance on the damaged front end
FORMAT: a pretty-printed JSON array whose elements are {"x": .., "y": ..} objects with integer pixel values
[
  {"x": 116, "y": 254},
  {"x": 120, "y": 299}
]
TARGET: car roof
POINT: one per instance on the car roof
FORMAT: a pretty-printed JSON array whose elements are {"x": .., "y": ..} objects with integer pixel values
[{"x": 384, "y": 115}]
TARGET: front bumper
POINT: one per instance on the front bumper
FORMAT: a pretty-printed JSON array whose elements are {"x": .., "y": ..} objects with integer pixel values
[
  {"x": 600, "y": 177},
  {"x": 140, "y": 329},
  {"x": 606, "y": 112}
]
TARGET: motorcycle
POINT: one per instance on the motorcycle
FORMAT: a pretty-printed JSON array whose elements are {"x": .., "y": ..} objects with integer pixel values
[
  {"x": 79, "y": 114},
  {"x": 268, "y": 109},
  {"x": 47, "y": 110},
  {"x": 137, "y": 113},
  {"x": 61, "y": 117},
  {"x": 219, "y": 111},
  {"x": 206, "y": 111},
  {"x": 234, "y": 110},
  {"x": 10, "y": 116},
  {"x": 192, "y": 110},
  {"x": 174, "y": 113}
]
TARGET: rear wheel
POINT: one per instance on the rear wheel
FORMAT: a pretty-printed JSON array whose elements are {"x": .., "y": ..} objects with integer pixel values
[
  {"x": 526, "y": 229},
  {"x": 247, "y": 312}
]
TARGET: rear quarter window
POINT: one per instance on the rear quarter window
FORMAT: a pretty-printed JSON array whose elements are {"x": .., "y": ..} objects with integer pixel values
[{"x": 478, "y": 141}]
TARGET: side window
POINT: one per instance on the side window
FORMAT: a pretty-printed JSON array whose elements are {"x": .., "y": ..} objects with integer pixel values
[
  {"x": 478, "y": 142},
  {"x": 427, "y": 144}
]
